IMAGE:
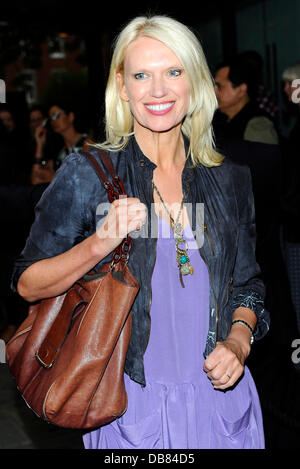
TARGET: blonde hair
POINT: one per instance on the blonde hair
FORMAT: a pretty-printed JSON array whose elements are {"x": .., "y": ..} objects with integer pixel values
[{"x": 203, "y": 103}]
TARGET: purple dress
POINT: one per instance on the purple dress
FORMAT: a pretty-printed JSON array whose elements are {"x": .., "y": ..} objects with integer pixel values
[{"x": 179, "y": 408}]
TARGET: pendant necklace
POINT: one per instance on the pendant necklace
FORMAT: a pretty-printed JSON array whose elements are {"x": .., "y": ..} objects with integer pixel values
[{"x": 182, "y": 258}]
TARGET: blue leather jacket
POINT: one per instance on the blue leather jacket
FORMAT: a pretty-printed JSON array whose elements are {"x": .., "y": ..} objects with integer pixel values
[{"x": 67, "y": 213}]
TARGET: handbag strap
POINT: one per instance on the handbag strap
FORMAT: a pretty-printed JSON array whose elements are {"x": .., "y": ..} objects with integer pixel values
[
  {"x": 116, "y": 181},
  {"x": 114, "y": 190}
]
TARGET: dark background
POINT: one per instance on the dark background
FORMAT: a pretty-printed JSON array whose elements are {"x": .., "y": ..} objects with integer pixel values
[{"x": 224, "y": 28}]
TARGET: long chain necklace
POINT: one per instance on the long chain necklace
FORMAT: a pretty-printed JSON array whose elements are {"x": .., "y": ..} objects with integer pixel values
[{"x": 182, "y": 258}]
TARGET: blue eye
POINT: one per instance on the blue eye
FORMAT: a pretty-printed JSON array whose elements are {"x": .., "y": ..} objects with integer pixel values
[
  {"x": 176, "y": 72},
  {"x": 140, "y": 76}
]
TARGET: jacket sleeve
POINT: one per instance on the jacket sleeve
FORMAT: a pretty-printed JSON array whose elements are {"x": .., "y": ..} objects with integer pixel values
[
  {"x": 59, "y": 219},
  {"x": 247, "y": 286}
]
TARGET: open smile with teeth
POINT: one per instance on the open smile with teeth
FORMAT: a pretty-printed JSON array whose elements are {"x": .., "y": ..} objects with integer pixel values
[{"x": 160, "y": 108}]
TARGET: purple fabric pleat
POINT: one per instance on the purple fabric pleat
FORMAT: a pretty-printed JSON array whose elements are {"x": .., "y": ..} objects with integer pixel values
[{"x": 179, "y": 408}]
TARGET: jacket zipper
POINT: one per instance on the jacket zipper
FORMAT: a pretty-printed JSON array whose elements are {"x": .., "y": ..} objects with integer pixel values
[
  {"x": 229, "y": 290},
  {"x": 230, "y": 287},
  {"x": 209, "y": 240},
  {"x": 211, "y": 282},
  {"x": 150, "y": 300},
  {"x": 216, "y": 303}
]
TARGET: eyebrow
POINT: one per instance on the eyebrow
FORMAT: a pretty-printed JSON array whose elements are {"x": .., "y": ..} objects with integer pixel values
[{"x": 169, "y": 67}]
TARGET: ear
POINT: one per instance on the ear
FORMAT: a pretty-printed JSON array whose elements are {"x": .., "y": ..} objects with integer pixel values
[
  {"x": 71, "y": 117},
  {"x": 121, "y": 86},
  {"x": 244, "y": 88}
]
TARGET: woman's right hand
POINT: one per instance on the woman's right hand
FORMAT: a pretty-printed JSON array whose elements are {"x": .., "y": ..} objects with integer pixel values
[
  {"x": 125, "y": 215},
  {"x": 52, "y": 276}
]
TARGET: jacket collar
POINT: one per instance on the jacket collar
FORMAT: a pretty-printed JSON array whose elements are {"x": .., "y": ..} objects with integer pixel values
[{"x": 142, "y": 161}]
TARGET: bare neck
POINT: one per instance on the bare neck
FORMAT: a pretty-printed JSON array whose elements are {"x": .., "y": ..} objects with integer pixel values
[{"x": 165, "y": 149}]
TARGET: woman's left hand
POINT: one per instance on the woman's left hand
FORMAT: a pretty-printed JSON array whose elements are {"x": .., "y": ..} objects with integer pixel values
[{"x": 225, "y": 364}]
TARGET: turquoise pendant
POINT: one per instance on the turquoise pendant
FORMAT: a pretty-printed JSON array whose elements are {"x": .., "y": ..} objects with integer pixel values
[{"x": 183, "y": 259}]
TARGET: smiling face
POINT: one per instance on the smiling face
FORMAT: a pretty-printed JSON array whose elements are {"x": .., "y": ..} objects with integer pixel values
[{"x": 155, "y": 84}]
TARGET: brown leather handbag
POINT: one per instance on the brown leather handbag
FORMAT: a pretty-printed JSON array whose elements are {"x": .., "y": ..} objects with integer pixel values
[{"x": 68, "y": 355}]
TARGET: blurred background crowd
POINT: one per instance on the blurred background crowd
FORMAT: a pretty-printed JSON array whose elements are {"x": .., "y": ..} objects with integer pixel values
[{"x": 54, "y": 64}]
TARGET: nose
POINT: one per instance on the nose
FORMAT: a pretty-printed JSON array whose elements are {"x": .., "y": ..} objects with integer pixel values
[{"x": 159, "y": 88}]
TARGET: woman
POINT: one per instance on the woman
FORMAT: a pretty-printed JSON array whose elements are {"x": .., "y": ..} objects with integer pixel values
[
  {"x": 62, "y": 120},
  {"x": 159, "y": 106}
]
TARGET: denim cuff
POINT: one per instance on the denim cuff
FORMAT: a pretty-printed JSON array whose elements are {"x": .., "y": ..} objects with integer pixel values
[{"x": 252, "y": 300}]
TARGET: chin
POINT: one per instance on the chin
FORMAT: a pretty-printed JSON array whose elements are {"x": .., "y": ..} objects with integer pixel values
[{"x": 161, "y": 127}]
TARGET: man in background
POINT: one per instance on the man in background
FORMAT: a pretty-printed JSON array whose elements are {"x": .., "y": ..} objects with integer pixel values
[{"x": 239, "y": 116}]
